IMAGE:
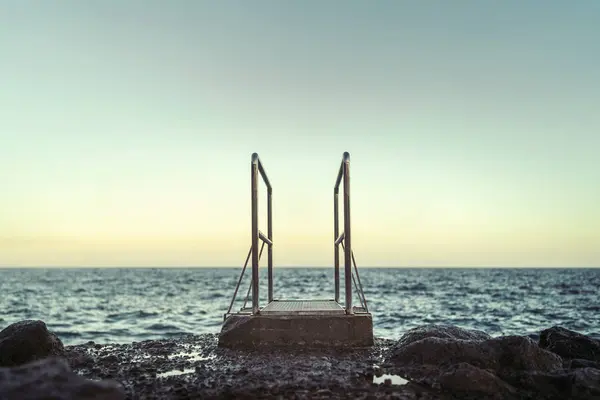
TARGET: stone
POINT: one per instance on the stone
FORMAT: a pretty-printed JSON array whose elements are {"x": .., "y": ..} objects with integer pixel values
[
  {"x": 463, "y": 377},
  {"x": 578, "y": 384},
  {"x": 522, "y": 353},
  {"x": 579, "y": 363},
  {"x": 496, "y": 354},
  {"x": 569, "y": 344},
  {"x": 586, "y": 382},
  {"x": 52, "y": 379},
  {"x": 27, "y": 341},
  {"x": 441, "y": 331}
]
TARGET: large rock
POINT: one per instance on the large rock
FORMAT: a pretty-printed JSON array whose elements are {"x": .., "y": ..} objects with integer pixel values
[
  {"x": 569, "y": 344},
  {"x": 473, "y": 364},
  {"x": 497, "y": 354},
  {"x": 586, "y": 382},
  {"x": 578, "y": 384},
  {"x": 442, "y": 332},
  {"x": 27, "y": 341},
  {"x": 465, "y": 378},
  {"x": 52, "y": 379}
]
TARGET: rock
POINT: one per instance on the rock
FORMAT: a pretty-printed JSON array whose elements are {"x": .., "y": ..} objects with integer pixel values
[
  {"x": 78, "y": 358},
  {"x": 522, "y": 353},
  {"x": 441, "y": 331},
  {"x": 542, "y": 385},
  {"x": 579, "y": 363},
  {"x": 579, "y": 384},
  {"x": 52, "y": 379},
  {"x": 569, "y": 344},
  {"x": 497, "y": 354},
  {"x": 464, "y": 377},
  {"x": 586, "y": 382},
  {"x": 27, "y": 341}
]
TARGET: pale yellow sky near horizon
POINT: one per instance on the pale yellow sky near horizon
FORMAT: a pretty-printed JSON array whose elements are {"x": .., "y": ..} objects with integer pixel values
[{"x": 126, "y": 131}]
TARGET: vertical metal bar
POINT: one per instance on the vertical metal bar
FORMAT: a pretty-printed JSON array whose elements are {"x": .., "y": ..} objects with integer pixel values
[
  {"x": 336, "y": 250},
  {"x": 254, "y": 178},
  {"x": 270, "y": 236},
  {"x": 348, "y": 235}
]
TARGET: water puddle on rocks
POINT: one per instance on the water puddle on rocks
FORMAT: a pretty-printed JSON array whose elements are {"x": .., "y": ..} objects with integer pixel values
[
  {"x": 192, "y": 353},
  {"x": 175, "y": 372},
  {"x": 189, "y": 354},
  {"x": 393, "y": 379}
]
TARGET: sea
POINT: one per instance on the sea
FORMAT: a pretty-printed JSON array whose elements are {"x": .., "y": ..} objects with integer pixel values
[{"x": 124, "y": 305}]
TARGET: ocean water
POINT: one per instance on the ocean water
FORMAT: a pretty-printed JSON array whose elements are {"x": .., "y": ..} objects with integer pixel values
[{"x": 132, "y": 304}]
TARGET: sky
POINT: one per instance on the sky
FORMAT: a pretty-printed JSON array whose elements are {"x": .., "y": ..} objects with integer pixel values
[{"x": 127, "y": 128}]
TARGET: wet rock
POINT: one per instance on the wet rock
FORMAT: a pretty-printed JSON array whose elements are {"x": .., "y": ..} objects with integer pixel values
[
  {"x": 579, "y": 384},
  {"x": 79, "y": 359},
  {"x": 569, "y": 344},
  {"x": 522, "y": 353},
  {"x": 52, "y": 379},
  {"x": 586, "y": 382},
  {"x": 579, "y": 363},
  {"x": 440, "y": 331},
  {"x": 543, "y": 385},
  {"x": 27, "y": 341},
  {"x": 463, "y": 377},
  {"x": 497, "y": 354}
]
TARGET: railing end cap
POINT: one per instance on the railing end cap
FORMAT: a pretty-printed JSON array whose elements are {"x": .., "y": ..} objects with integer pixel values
[
  {"x": 254, "y": 157},
  {"x": 346, "y": 156}
]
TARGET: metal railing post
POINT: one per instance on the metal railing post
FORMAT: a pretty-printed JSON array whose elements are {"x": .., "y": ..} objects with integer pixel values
[
  {"x": 254, "y": 179},
  {"x": 347, "y": 234},
  {"x": 336, "y": 247},
  {"x": 270, "y": 236}
]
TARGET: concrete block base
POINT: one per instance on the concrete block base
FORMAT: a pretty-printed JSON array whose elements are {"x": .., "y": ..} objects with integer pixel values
[{"x": 297, "y": 330}]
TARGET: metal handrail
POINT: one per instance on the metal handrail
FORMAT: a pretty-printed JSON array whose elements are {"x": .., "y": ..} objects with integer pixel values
[
  {"x": 360, "y": 284},
  {"x": 237, "y": 287},
  {"x": 265, "y": 239},
  {"x": 340, "y": 239},
  {"x": 359, "y": 287},
  {"x": 251, "y": 285},
  {"x": 256, "y": 168},
  {"x": 343, "y": 173}
]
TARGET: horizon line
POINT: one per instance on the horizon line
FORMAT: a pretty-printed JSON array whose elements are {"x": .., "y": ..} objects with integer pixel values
[{"x": 289, "y": 266}]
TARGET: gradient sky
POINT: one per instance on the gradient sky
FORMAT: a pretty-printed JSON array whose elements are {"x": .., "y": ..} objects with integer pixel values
[{"x": 127, "y": 127}]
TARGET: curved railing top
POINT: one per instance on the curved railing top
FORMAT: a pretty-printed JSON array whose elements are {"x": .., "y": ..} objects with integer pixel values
[
  {"x": 345, "y": 159},
  {"x": 261, "y": 169}
]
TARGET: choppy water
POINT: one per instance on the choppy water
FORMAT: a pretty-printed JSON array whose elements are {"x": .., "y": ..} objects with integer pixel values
[{"x": 125, "y": 305}]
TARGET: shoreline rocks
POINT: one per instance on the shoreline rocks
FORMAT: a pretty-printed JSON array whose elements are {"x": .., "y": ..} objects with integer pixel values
[
  {"x": 570, "y": 344},
  {"x": 428, "y": 362},
  {"x": 52, "y": 379},
  {"x": 27, "y": 341}
]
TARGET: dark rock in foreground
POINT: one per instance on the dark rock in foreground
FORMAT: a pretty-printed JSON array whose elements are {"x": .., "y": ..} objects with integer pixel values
[
  {"x": 495, "y": 354},
  {"x": 27, "y": 341},
  {"x": 470, "y": 363},
  {"x": 52, "y": 379},
  {"x": 569, "y": 344},
  {"x": 442, "y": 332}
]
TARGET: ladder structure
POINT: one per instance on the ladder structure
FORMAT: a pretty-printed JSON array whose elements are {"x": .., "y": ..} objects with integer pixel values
[{"x": 300, "y": 321}]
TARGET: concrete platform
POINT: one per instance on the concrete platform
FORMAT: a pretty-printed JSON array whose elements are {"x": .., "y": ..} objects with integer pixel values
[{"x": 313, "y": 323}]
